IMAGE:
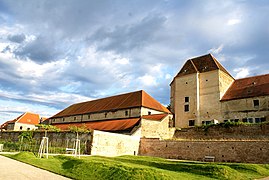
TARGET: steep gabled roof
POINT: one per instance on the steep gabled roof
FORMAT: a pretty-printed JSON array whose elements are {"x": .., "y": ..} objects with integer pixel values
[
  {"x": 248, "y": 87},
  {"x": 122, "y": 101},
  {"x": 25, "y": 118},
  {"x": 201, "y": 64},
  {"x": 29, "y": 118},
  {"x": 108, "y": 125}
]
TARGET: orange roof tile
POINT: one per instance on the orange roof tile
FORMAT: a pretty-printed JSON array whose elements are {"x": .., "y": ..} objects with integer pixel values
[
  {"x": 155, "y": 117},
  {"x": 248, "y": 87},
  {"x": 109, "y": 125},
  {"x": 122, "y": 101},
  {"x": 201, "y": 64},
  {"x": 29, "y": 118}
]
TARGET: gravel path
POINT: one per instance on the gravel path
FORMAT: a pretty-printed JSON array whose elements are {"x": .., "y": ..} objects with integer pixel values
[{"x": 15, "y": 170}]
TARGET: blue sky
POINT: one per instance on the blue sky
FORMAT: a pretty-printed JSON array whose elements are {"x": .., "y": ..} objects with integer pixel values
[{"x": 56, "y": 53}]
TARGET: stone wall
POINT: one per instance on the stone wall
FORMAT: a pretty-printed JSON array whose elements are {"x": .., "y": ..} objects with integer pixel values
[
  {"x": 113, "y": 144},
  {"x": 56, "y": 139},
  {"x": 157, "y": 129},
  {"x": 241, "y": 132},
  {"x": 256, "y": 151}
]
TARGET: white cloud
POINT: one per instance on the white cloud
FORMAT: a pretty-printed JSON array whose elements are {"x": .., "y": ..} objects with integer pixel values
[
  {"x": 231, "y": 22},
  {"x": 147, "y": 80},
  {"x": 241, "y": 72},
  {"x": 217, "y": 50}
]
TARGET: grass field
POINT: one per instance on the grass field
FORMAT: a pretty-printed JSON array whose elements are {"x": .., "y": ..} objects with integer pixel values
[{"x": 137, "y": 167}]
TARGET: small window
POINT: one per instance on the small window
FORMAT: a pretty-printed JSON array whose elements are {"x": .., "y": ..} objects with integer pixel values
[
  {"x": 63, "y": 119},
  {"x": 149, "y": 113},
  {"x": 257, "y": 120},
  {"x": 236, "y": 120},
  {"x": 186, "y": 108},
  {"x": 126, "y": 113},
  {"x": 263, "y": 119},
  {"x": 75, "y": 118},
  {"x": 187, "y": 99},
  {"x": 250, "y": 120},
  {"x": 191, "y": 122},
  {"x": 89, "y": 116},
  {"x": 208, "y": 122},
  {"x": 256, "y": 103},
  {"x": 20, "y": 127},
  {"x": 203, "y": 122},
  {"x": 245, "y": 120},
  {"x": 28, "y": 129},
  {"x": 105, "y": 115}
]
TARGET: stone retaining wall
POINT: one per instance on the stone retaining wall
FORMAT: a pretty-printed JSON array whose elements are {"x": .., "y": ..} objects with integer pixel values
[{"x": 256, "y": 151}]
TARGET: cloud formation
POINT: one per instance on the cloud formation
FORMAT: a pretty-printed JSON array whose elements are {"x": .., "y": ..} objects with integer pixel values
[{"x": 55, "y": 53}]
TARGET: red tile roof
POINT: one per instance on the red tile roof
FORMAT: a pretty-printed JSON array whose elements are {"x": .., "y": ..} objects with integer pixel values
[
  {"x": 29, "y": 118},
  {"x": 123, "y": 101},
  {"x": 248, "y": 87},
  {"x": 155, "y": 117},
  {"x": 201, "y": 64},
  {"x": 5, "y": 124},
  {"x": 109, "y": 125}
]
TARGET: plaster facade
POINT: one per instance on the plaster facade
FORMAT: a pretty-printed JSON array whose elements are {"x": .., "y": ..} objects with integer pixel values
[{"x": 196, "y": 97}]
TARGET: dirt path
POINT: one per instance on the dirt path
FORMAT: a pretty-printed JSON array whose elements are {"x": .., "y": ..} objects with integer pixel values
[{"x": 15, "y": 170}]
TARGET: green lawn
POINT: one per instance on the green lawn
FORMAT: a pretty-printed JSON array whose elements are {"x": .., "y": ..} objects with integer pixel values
[{"x": 137, "y": 167}]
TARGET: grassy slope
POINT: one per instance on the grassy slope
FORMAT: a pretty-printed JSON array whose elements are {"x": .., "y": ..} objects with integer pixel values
[{"x": 135, "y": 167}]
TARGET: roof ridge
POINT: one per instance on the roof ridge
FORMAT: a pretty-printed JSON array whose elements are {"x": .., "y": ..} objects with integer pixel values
[
  {"x": 194, "y": 65},
  {"x": 97, "y": 99}
]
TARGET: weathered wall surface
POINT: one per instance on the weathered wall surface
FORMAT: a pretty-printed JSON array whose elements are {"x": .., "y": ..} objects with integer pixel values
[
  {"x": 223, "y": 151},
  {"x": 157, "y": 129},
  {"x": 241, "y": 132},
  {"x": 61, "y": 139},
  {"x": 121, "y": 113},
  {"x": 112, "y": 144},
  {"x": 244, "y": 108},
  {"x": 21, "y": 127}
]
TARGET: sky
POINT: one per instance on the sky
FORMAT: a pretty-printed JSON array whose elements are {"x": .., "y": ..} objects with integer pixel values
[{"x": 56, "y": 53}]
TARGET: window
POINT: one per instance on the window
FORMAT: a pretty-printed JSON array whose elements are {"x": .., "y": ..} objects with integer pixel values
[
  {"x": 149, "y": 113},
  {"x": 245, "y": 120},
  {"x": 126, "y": 113},
  {"x": 187, "y": 99},
  {"x": 75, "y": 118},
  {"x": 89, "y": 116},
  {"x": 105, "y": 115},
  {"x": 256, "y": 103},
  {"x": 263, "y": 119},
  {"x": 257, "y": 120},
  {"x": 208, "y": 122},
  {"x": 226, "y": 120},
  {"x": 236, "y": 120},
  {"x": 63, "y": 119},
  {"x": 250, "y": 120},
  {"x": 28, "y": 129},
  {"x": 186, "y": 108},
  {"x": 20, "y": 127},
  {"x": 191, "y": 122}
]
